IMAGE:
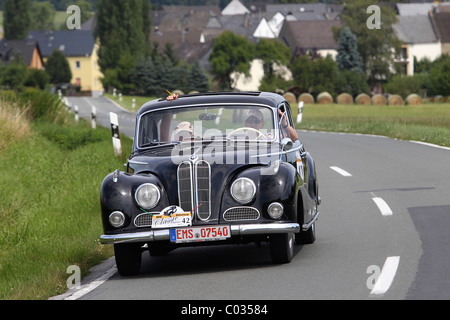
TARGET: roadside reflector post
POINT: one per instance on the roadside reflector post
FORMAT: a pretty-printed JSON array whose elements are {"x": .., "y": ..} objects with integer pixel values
[
  {"x": 300, "y": 112},
  {"x": 94, "y": 118},
  {"x": 115, "y": 133},
  {"x": 75, "y": 109},
  {"x": 134, "y": 104}
]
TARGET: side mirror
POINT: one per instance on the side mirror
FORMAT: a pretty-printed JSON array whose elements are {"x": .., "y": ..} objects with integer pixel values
[{"x": 286, "y": 144}]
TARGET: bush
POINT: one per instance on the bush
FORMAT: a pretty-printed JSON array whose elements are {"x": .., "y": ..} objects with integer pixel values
[
  {"x": 43, "y": 105},
  {"x": 405, "y": 85}
]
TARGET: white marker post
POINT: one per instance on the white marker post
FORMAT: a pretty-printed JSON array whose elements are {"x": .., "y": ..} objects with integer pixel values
[
  {"x": 300, "y": 112},
  {"x": 133, "y": 105},
  {"x": 75, "y": 109},
  {"x": 115, "y": 133},
  {"x": 94, "y": 118}
]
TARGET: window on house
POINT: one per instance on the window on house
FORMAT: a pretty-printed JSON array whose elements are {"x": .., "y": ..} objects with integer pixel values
[{"x": 77, "y": 64}]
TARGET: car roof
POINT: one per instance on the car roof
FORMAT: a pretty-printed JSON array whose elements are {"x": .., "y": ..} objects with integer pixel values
[{"x": 247, "y": 97}]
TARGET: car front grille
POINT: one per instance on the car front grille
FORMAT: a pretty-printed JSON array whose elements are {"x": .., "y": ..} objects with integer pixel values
[
  {"x": 241, "y": 213},
  {"x": 144, "y": 220},
  {"x": 194, "y": 188}
]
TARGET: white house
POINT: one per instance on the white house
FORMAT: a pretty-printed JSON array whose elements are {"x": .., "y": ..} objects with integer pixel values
[{"x": 419, "y": 41}]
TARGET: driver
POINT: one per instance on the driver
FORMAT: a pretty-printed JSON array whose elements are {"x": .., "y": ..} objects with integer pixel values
[{"x": 255, "y": 120}]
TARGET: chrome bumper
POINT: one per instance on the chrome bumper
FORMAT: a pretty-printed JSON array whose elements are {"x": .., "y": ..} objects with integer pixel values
[{"x": 236, "y": 230}]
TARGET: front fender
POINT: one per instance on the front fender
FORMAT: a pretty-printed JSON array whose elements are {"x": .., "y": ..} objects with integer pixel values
[{"x": 117, "y": 194}]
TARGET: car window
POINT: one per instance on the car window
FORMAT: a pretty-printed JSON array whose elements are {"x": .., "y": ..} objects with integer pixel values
[{"x": 203, "y": 123}]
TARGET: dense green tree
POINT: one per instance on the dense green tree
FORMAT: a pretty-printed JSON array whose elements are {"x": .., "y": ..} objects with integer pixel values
[
  {"x": 230, "y": 53},
  {"x": 122, "y": 33},
  {"x": 440, "y": 76},
  {"x": 348, "y": 57},
  {"x": 58, "y": 68},
  {"x": 12, "y": 75},
  {"x": 198, "y": 79},
  {"x": 43, "y": 15},
  {"x": 272, "y": 51},
  {"x": 374, "y": 45},
  {"x": 16, "y": 19}
]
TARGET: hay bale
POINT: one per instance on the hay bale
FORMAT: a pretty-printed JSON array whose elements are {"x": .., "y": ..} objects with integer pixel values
[
  {"x": 306, "y": 98},
  {"x": 324, "y": 98},
  {"x": 193, "y": 92},
  {"x": 413, "y": 99},
  {"x": 344, "y": 98},
  {"x": 290, "y": 97},
  {"x": 395, "y": 100},
  {"x": 362, "y": 98},
  {"x": 379, "y": 100}
]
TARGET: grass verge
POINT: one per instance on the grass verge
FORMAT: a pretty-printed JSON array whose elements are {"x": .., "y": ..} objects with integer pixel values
[
  {"x": 427, "y": 123},
  {"x": 50, "y": 207}
]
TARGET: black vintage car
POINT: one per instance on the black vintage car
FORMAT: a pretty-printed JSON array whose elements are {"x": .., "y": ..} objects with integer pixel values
[{"x": 213, "y": 168}]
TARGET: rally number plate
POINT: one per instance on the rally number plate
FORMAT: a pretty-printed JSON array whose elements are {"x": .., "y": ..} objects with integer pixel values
[
  {"x": 176, "y": 220},
  {"x": 197, "y": 234}
]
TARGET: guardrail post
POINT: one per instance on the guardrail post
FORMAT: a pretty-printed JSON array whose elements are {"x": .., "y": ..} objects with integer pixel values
[
  {"x": 115, "y": 133},
  {"x": 75, "y": 109},
  {"x": 93, "y": 118},
  {"x": 300, "y": 112}
]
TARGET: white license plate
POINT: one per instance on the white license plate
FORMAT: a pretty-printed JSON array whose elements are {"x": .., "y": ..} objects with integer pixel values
[
  {"x": 197, "y": 234},
  {"x": 176, "y": 220}
]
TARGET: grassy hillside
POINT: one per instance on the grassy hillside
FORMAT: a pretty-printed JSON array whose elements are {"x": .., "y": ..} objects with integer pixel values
[{"x": 49, "y": 205}]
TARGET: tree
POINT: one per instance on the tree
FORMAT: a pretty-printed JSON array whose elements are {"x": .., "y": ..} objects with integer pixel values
[
  {"x": 16, "y": 19},
  {"x": 43, "y": 15},
  {"x": 348, "y": 57},
  {"x": 375, "y": 46},
  {"x": 272, "y": 52},
  {"x": 58, "y": 68},
  {"x": 230, "y": 53},
  {"x": 440, "y": 76},
  {"x": 198, "y": 79},
  {"x": 122, "y": 28}
]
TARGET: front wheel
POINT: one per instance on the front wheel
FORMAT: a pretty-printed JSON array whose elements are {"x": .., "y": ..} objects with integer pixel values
[
  {"x": 306, "y": 237},
  {"x": 128, "y": 258},
  {"x": 281, "y": 247}
]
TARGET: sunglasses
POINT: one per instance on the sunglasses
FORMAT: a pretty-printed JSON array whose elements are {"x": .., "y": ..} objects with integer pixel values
[{"x": 253, "y": 120}]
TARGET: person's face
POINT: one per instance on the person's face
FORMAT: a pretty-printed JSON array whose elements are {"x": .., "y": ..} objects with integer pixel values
[{"x": 255, "y": 123}]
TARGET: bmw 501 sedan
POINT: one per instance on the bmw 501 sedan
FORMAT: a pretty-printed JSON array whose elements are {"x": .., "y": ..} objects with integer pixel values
[{"x": 212, "y": 168}]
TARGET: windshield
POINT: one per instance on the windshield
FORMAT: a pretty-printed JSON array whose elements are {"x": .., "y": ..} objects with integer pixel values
[{"x": 236, "y": 123}]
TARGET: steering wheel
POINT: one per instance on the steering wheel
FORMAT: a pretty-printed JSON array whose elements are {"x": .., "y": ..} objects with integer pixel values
[{"x": 259, "y": 133}]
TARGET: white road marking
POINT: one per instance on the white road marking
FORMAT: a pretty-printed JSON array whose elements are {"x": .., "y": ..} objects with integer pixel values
[
  {"x": 386, "y": 277},
  {"x": 383, "y": 206},
  {"x": 85, "y": 289},
  {"x": 341, "y": 171}
]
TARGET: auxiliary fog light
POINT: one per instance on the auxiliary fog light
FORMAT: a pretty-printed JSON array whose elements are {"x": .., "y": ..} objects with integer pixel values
[
  {"x": 117, "y": 219},
  {"x": 275, "y": 210}
]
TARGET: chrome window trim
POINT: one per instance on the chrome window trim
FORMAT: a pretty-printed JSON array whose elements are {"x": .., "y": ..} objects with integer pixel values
[{"x": 274, "y": 113}]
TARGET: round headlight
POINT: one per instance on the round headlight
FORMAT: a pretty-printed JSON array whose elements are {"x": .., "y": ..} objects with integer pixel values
[
  {"x": 147, "y": 196},
  {"x": 275, "y": 210},
  {"x": 243, "y": 190},
  {"x": 117, "y": 219}
]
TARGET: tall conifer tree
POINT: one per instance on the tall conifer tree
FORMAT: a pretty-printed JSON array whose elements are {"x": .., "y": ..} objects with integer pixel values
[{"x": 16, "y": 19}]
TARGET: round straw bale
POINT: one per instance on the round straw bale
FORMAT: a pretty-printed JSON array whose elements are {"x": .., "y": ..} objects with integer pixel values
[
  {"x": 395, "y": 100},
  {"x": 290, "y": 97},
  {"x": 413, "y": 99},
  {"x": 324, "y": 98},
  {"x": 306, "y": 98},
  {"x": 362, "y": 98},
  {"x": 344, "y": 98},
  {"x": 193, "y": 92},
  {"x": 378, "y": 99}
]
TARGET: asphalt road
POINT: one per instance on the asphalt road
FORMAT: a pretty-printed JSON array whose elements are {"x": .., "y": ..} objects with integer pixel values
[{"x": 382, "y": 234}]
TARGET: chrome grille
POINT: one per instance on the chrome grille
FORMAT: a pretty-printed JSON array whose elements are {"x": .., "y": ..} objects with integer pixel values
[
  {"x": 144, "y": 219},
  {"x": 241, "y": 213},
  {"x": 194, "y": 188},
  {"x": 185, "y": 194},
  {"x": 203, "y": 190}
]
